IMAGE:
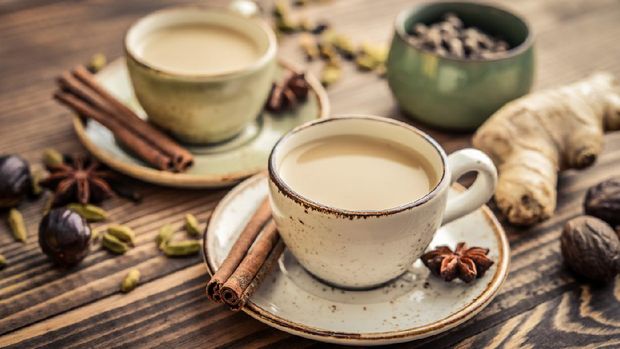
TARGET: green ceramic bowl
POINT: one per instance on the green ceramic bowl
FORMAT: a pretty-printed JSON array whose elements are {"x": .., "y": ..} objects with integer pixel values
[{"x": 458, "y": 93}]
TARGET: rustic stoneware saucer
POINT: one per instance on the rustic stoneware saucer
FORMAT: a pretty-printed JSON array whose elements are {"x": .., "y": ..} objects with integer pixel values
[
  {"x": 414, "y": 306},
  {"x": 217, "y": 165}
]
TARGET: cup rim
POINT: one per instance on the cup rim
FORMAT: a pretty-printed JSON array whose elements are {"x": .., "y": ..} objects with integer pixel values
[
  {"x": 266, "y": 57},
  {"x": 314, "y": 205},
  {"x": 401, "y": 31}
]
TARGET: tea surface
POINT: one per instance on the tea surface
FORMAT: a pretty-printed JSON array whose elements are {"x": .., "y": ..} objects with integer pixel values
[
  {"x": 199, "y": 49},
  {"x": 357, "y": 173}
]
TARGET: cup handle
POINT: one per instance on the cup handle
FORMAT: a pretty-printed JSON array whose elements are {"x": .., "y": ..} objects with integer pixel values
[{"x": 459, "y": 163}]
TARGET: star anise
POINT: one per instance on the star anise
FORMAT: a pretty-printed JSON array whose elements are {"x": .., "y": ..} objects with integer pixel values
[
  {"x": 78, "y": 179},
  {"x": 464, "y": 263},
  {"x": 286, "y": 94}
]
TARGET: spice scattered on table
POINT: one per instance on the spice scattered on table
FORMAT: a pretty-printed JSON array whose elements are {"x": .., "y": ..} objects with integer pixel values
[
  {"x": 36, "y": 176},
  {"x": 330, "y": 74},
  {"x": 191, "y": 225},
  {"x": 532, "y": 138},
  {"x": 288, "y": 93},
  {"x": 450, "y": 37},
  {"x": 371, "y": 57},
  {"x": 18, "y": 227},
  {"x": 64, "y": 236},
  {"x": 114, "y": 244},
  {"x": 52, "y": 157},
  {"x": 48, "y": 205},
  {"x": 64, "y": 233},
  {"x": 317, "y": 40},
  {"x": 90, "y": 212},
  {"x": 308, "y": 44},
  {"x": 130, "y": 281},
  {"x": 591, "y": 248},
  {"x": 123, "y": 233},
  {"x": 14, "y": 180},
  {"x": 464, "y": 263},
  {"x": 342, "y": 43},
  {"x": 78, "y": 179},
  {"x": 164, "y": 235},
  {"x": 181, "y": 248},
  {"x": 97, "y": 62},
  {"x": 603, "y": 201},
  {"x": 177, "y": 248},
  {"x": 97, "y": 233}
]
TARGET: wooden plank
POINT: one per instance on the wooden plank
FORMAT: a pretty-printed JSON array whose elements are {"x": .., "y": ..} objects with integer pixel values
[{"x": 581, "y": 318}]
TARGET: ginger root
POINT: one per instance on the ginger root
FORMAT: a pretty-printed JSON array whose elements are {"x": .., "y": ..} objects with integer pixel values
[{"x": 534, "y": 137}]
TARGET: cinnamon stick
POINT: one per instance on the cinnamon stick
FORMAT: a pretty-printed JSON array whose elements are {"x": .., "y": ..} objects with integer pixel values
[
  {"x": 69, "y": 83},
  {"x": 181, "y": 157},
  {"x": 266, "y": 267},
  {"x": 136, "y": 144},
  {"x": 245, "y": 273},
  {"x": 239, "y": 250}
]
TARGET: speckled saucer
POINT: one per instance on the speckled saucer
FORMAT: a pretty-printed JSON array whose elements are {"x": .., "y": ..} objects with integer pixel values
[
  {"x": 414, "y": 306},
  {"x": 217, "y": 165}
]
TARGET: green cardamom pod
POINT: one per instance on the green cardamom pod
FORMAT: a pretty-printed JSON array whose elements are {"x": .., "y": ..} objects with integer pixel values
[
  {"x": 308, "y": 44},
  {"x": 89, "y": 212},
  {"x": 123, "y": 233},
  {"x": 344, "y": 45},
  {"x": 48, "y": 204},
  {"x": 330, "y": 75},
  {"x": 18, "y": 228},
  {"x": 52, "y": 157},
  {"x": 286, "y": 25},
  {"x": 281, "y": 9},
  {"x": 35, "y": 179},
  {"x": 377, "y": 53},
  {"x": 97, "y": 62},
  {"x": 191, "y": 225},
  {"x": 328, "y": 53},
  {"x": 113, "y": 244},
  {"x": 165, "y": 234},
  {"x": 2, "y": 262},
  {"x": 130, "y": 281},
  {"x": 96, "y": 233},
  {"x": 366, "y": 63},
  {"x": 181, "y": 248},
  {"x": 306, "y": 24}
]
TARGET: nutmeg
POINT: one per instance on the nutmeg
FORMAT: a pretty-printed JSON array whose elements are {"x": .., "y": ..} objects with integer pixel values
[
  {"x": 603, "y": 201},
  {"x": 591, "y": 248}
]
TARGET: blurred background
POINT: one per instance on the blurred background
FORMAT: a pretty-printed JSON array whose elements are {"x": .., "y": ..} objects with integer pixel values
[{"x": 41, "y": 38}]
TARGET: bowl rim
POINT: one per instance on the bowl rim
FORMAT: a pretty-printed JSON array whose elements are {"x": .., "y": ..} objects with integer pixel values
[{"x": 401, "y": 18}]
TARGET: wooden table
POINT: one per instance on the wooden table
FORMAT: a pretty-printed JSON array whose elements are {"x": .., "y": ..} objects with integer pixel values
[{"x": 540, "y": 305}]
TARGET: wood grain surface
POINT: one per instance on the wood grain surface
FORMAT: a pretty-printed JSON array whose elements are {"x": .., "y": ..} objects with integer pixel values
[{"x": 541, "y": 305}]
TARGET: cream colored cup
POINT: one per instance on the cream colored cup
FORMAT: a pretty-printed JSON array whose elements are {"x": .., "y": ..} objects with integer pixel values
[
  {"x": 363, "y": 249},
  {"x": 203, "y": 108}
]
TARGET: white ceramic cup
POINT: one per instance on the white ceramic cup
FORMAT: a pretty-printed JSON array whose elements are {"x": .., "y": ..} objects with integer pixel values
[
  {"x": 201, "y": 108},
  {"x": 363, "y": 249}
]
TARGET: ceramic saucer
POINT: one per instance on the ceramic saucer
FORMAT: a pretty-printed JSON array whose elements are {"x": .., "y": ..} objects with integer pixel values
[
  {"x": 416, "y": 305},
  {"x": 214, "y": 166}
]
